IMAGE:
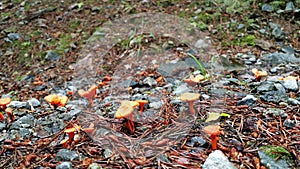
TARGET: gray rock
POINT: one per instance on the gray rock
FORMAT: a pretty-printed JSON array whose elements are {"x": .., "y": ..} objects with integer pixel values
[
  {"x": 66, "y": 155},
  {"x": 274, "y": 69},
  {"x": 278, "y": 33},
  {"x": 149, "y": 81},
  {"x": 196, "y": 141},
  {"x": 274, "y": 111},
  {"x": 52, "y": 56},
  {"x": 265, "y": 87},
  {"x": 279, "y": 58},
  {"x": 201, "y": 44},
  {"x": 248, "y": 100},
  {"x": 107, "y": 153},
  {"x": 2, "y": 126},
  {"x": 262, "y": 31},
  {"x": 94, "y": 166},
  {"x": 18, "y": 105},
  {"x": 40, "y": 87},
  {"x": 191, "y": 63},
  {"x": 156, "y": 105},
  {"x": 289, "y": 123},
  {"x": 13, "y": 36},
  {"x": 288, "y": 50},
  {"x": 240, "y": 26},
  {"x": 271, "y": 163},
  {"x": 162, "y": 157},
  {"x": 25, "y": 133},
  {"x": 293, "y": 101},
  {"x": 217, "y": 160},
  {"x": 74, "y": 112},
  {"x": 267, "y": 8},
  {"x": 279, "y": 87},
  {"x": 289, "y": 7},
  {"x": 273, "y": 96},
  {"x": 177, "y": 69},
  {"x": 291, "y": 84},
  {"x": 25, "y": 121},
  {"x": 64, "y": 165},
  {"x": 183, "y": 88},
  {"x": 34, "y": 102},
  {"x": 61, "y": 109}
]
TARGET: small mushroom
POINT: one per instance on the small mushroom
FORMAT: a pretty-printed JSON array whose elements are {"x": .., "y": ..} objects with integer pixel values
[
  {"x": 71, "y": 132},
  {"x": 213, "y": 131},
  {"x": 56, "y": 100},
  {"x": 4, "y": 102},
  {"x": 190, "y": 98},
  {"x": 125, "y": 111},
  {"x": 89, "y": 94},
  {"x": 142, "y": 104},
  {"x": 258, "y": 74},
  {"x": 10, "y": 115}
]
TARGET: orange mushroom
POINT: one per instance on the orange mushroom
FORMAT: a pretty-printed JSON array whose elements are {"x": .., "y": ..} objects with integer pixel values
[
  {"x": 213, "y": 131},
  {"x": 258, "y": 74},
  {"x": 289, "y": 77},
  {"x": 89, "y": 94},
  {"x": 142, "y": 104},
  {"x": 193, "y": 80},
  {"x": 71, "y": 132},
  {"x": 4, "y": 102},
  {"x": 56, "y": 100},
  {"x": 10, "y": 115},
  {"x": 125, "y": 111},
  {"x": 190, "y": 98}
]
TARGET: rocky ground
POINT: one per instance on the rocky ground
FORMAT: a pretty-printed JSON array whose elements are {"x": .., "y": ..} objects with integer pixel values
[{"x": 246, "y": 52}]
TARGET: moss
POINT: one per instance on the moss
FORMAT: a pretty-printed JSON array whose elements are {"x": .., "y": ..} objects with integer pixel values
[
  {"x": 74, "y": 24},
  {"x": 248, "y": 40},
  {"x": 63, "y": 43},
  {"x": 278, "y": 4},
  {"x": 276, "y": 152},
  {"x": 5, "y": 15},
  {"x": 240, "y": 41}
]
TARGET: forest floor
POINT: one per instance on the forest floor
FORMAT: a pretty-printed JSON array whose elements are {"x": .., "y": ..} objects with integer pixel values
[{"x": 42, "y": 47}]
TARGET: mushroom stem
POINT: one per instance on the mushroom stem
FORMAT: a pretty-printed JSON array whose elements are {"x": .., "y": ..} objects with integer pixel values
[
  {"x": 214, "y": 140},
  {"x": 91, "y": 102},
  {"x": 141, "y": 107},
  {"x": 130, "y": 124},
  {"x": 191, "y": 107},
  {"x": 1, "y": 117},
  {"x": 70, "y": 136}
]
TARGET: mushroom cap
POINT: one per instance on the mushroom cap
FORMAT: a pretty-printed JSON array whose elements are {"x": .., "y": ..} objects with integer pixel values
[
  {"x": 142, "y": 101},
  {"x": 189, "y": 96},
  {"x": 258, "y": 73},
  {"x": 126, "y": 108},
  {"x": 57, "y": 100},
  {"x": 5, "y": 101},
  {"x": 212, "y": 129},
  {"x": 73, "y": 129},
  {"x": 89, "y": 93}
]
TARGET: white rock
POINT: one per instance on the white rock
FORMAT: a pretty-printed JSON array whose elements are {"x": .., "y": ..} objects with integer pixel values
[{"x": 217, "y": 160}]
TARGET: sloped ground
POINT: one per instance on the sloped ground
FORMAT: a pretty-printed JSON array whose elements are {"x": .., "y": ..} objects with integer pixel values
[{"x": 30, "y": 29}]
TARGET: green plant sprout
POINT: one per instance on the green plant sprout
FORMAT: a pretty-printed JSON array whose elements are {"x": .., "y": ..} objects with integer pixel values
[{"x": 201, "y": 68}]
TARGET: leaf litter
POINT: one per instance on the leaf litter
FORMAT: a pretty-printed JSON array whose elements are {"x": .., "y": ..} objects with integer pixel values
[{"x": 246, "y": 130}]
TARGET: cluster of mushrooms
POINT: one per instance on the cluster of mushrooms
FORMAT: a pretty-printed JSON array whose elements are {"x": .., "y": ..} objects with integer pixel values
[{"x": 126, "y": 110}]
